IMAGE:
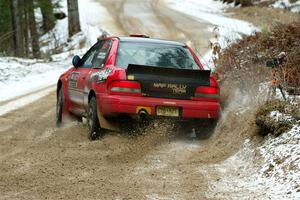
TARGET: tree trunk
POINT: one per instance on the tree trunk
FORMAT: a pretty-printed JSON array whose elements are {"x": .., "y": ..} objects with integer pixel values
[
  {"x": 6, "y": 31},
  {"x": 33, "y": 32},
  {"x": 48, "y": 15},
  {"x": 18, "y": 32},
  {"x": 25, "y": 27},
  {"x": 73, "y": 17}
]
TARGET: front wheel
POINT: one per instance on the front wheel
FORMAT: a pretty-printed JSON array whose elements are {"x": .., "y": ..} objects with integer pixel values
[
  {"x": 94, "y": 129},
  {"x": 59, "y": 108}
]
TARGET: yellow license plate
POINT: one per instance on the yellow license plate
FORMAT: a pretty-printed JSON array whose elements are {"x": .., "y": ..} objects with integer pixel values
[{"x": 167, "y": 111}]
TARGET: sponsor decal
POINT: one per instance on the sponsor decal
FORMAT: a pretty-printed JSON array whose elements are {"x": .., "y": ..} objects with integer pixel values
[
  {"x": 176, "y": 88},
  {"x": 101, "y": 76},
  {"x": 101, "y": 55},
  {"x": 73, "y": 79}
]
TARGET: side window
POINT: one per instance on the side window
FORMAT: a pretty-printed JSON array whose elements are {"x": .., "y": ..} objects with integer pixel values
[
  {"x": 97, "y": 55},
  {"x": 100, "y": 56},
  {"x": 86, "y": 61}
]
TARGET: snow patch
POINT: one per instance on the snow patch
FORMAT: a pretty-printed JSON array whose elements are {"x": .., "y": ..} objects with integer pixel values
[
  {"x": 281, "y": 165},
  {"x": 278, "y": 116},
  {"x": 90, "y": 19},
  {"x": 228, "y": 29},
  {"x": 91, "y": 16},
  {"x": 19, "y": 103},
  {"x": 285, "y": 4},
  {"x": 21, "y": 76},
  {"x": 268, "y": 171}
]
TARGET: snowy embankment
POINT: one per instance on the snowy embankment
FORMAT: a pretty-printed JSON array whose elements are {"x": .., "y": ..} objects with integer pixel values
[
  {"x": 270, "y": 170},
  {"x": 20, "y": 77},
  {"x": 91, "y": 16},
  {"x": 286, "y": 4},
  {"x": 275, "y": 176},
  {"x": 227, "y": 30}
]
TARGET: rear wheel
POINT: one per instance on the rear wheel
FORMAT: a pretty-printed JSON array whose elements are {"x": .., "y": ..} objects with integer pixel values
[
  {"x": 94, "y": 129},
  {"x": 205, "y": 131},
  {"x": 59, "y": 108}
]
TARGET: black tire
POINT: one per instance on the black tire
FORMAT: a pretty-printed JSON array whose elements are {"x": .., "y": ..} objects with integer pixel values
[
  {"x": 94, "y": 129},
  {"x": 59, "y": 108},
  {"x": 205, "y": 131}
]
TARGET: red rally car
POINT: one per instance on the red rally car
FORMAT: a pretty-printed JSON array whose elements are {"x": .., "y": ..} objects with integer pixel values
[{"x": 137, "y": 76}]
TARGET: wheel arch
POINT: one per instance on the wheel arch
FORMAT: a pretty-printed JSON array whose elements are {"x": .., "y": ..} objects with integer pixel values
[{"x": 92, "y": 93}]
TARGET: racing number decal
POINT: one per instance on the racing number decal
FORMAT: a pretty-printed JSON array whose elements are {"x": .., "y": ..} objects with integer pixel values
[
  {"x": 74, "y": 79},
  {"x": 74, "y": 90}
]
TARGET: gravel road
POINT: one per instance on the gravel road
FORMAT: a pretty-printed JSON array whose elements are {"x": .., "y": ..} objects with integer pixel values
[{"x": 39, "y": 161}]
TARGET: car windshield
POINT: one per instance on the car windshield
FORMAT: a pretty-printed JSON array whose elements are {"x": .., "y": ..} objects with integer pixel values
[{"x": 155, "y": 54}]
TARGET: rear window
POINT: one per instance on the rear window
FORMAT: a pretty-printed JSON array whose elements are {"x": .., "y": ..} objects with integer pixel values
[{"x": 152, "y": 54}]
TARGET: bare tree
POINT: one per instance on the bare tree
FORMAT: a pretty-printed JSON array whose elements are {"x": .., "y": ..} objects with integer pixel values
[
  {"x": 17, "y": 29},
  {"x": 73, "y": 17}
]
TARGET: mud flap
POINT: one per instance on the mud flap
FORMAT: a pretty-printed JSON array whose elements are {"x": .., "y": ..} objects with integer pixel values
[{"x": 104, "y": 123}]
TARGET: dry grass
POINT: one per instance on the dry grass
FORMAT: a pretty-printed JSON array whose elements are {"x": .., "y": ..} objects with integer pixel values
[
  {"x": 243, "y": 63},
  {"x": 242, "y": 66},
  {"x": 264, "y": 17},
  {"x": 270, "y": 125}
]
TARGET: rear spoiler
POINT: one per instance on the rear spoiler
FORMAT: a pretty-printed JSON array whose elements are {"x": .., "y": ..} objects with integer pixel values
[{"x": 168, "y": 74}]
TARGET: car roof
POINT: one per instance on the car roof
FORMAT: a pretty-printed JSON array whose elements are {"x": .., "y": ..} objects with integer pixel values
[{"x": 150, "y": 40}]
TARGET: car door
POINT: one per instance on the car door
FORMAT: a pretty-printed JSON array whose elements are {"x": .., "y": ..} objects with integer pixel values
[
  {"x": 79, "y": 77},
  {"x": 98, "y": 63}
]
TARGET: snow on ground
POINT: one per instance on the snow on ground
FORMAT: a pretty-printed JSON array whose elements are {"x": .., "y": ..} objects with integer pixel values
[
  {"x": 91, "y": 15},
  {"x": 213, "y": 12},
  {"x": 23, "y": 76},
  {"x": 236, "y": 176},
  {"x": 270, "y": 170},
  {"x": 281, "y": 165},
  {"x": 19, "y": 103},
  {"x": 286, "y": 4},
  {"x": 228, "y": 29},
  {"x": 58, "y": 35},
  {"x": 266, "y": 170}
]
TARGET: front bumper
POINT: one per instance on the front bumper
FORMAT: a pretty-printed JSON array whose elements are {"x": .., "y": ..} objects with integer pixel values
[{"x": 115, "y": 104}]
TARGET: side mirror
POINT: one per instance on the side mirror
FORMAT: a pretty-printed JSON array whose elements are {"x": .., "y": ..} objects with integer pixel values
[{"x": 76, "y": 61}]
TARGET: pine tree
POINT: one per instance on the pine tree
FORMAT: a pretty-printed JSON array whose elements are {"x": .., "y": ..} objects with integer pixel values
[
  {"x": 25, "y": 26},
  {"x": 17, "y": 28},
  {"x": 6, "y": 31},
  {"x": 33, "y": 31},
  {"x": 47, "y": 13}
]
